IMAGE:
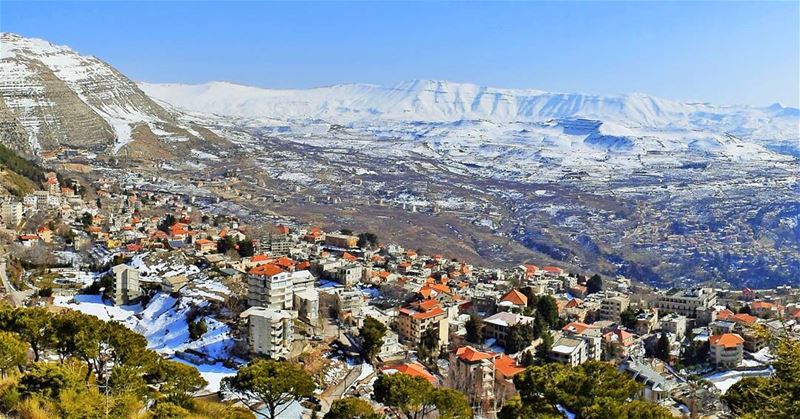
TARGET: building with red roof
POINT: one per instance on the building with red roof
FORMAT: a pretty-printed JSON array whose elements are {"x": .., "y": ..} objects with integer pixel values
[
  {"x": 726, "y": 349},
  {"x": 485, "y": 377},
  {"x": 414, "y": 369}
]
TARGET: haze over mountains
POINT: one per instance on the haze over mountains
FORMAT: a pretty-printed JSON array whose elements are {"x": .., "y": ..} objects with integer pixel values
[
  {"x": 663, "y": 191},
  {"x": 439, "y": 101}
]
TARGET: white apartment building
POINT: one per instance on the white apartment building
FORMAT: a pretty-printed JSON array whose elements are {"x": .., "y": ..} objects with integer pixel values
[
  {"x": 269, "y": 331},
  {"x": 270, "y": 286},
  {"x": 569, "y": 350},
  {"x": 688, "y": 302}
]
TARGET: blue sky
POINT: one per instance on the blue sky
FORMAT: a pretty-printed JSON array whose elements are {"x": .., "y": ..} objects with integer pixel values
[{"x": 723, "y": 52}]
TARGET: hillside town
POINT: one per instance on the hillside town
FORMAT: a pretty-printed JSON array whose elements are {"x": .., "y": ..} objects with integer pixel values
[{"x": 212, "y": 292}]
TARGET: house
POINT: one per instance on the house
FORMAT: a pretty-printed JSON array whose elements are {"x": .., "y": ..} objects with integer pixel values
[
  {"x": 391, "y": 346},
  {"x": 485, "y": 377},
  {"x": 341, "y": 241},
  {"x": 173, "y": 283},
  {"x": 306, "y": 303},
  {"x": 414, "y": 369},
  {"x": 675, "y": 324},
  {"x": 726, "y": 349},
  {"x": 28, "y": 240},
  {"x": 765, "y": 309},
  {"x": 414, "y": 320},
  {"x": 45, "y": 234},
  {"x": 205, "y": 246},
  {"x": 499, "y": 325},
  {"x": 513, "y": 298},
  {"x": 349, "y": 274},
  {"x": 269, "y": 331}
]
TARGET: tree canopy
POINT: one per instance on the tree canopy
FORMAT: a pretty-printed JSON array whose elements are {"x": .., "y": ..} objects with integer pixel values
[
  {"x": 416, "y": 398},
  {"x": 371, "y": 333},
  {"x": 592, "y": 389},
  {"x": 274, "y": 383}
]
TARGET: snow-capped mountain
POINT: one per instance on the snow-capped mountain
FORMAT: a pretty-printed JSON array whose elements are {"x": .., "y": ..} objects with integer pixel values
[
  {"x": 442, "y": 101},
  {"x": 53, "y": 97}
]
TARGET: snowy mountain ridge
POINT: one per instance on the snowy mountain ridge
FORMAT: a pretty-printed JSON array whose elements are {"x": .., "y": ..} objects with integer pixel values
[{"x": 443, "y": 101}]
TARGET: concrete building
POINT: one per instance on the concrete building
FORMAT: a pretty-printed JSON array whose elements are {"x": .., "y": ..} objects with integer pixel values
[
  {"x": 590, "y": 334},
  {"x": 498, "y": 325},
  {"x": 612, "y": 307},
  {"x": 11, "y": 212},
  {"x": 349, "y": 274},
  {"x": 414, "y": 320},
  {"x": 569, "y": 350},
  {"x": 726, "y": 349},
  {"x": 485, "y": 377},
  {"x": 270, "y": 286},
  {"x": 341, "y": 240},
  {"x": 269, "y": 331},
  {"x": 306, "y": 303},
  {"x": 126, "y": 284},
  {"x": 675, "y": 324},
  {"x": 687, "y": 302}
]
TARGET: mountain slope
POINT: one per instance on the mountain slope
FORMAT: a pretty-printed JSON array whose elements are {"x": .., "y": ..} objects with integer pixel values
[
  {"x": 54, "y": 98},
  {"x": 441, "y": 101}
]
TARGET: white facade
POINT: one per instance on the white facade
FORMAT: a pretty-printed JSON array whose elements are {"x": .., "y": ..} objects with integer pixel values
[{"x": 269, "y": 332}]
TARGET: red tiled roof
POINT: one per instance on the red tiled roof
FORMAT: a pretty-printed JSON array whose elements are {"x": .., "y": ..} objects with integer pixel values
[
  {"x": 575, "y": 327},
  {"x": 507, "y": 366},
  {"x": 724, "y": 314},
  {"x": 470, "y": 354},
  {"x": 515, "y": 297},
  {"x": 436, "y": 311},
  {"x": 267, "y": 270},
  {"x": 728, "y": 340},
  {"x": 414, "y": 369},
  {"x": 744, "y": 318}
]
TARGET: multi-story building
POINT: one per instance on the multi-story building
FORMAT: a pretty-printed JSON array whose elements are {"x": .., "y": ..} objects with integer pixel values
[
  {"x": 349, "y": 274},
  {"x": 270, "y": 286},
  {"x": 306, "y": 303},
  {"x": 269, "y": 331},
  {"x": 590, "y": 334},
  {"x": 11, "y": 212},
  {"x": 569, "y": 350},
  {"x": 126, "y": 284},
  {"x": 612, "y": 307},
  {"x": 687, "y": 302},
  {"x": 726, "y": 349},
  {"x": 485, "y": 377},
  {"x": 341, "y": 240},
  {"x": 414, "y": 320},
  {"x": 675, "y": 324},
  {"x": 498, "y": 325}
]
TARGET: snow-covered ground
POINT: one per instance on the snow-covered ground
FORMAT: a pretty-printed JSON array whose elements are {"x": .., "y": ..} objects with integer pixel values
[
  {"x": 163, "y": 322},
  {"x": 723, "y": 380}
]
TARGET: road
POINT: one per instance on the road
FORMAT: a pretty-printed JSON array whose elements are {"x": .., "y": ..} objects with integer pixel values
[
  {"x": 17, "y": 297},
  {"x": 336, "y": 391}
]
